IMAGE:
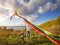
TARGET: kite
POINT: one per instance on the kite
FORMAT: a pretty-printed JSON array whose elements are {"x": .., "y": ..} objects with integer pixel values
[{"x": 39, "y": 30}]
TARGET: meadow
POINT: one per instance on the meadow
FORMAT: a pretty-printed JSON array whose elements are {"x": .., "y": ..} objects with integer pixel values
[{"x": 11, "y": 37}]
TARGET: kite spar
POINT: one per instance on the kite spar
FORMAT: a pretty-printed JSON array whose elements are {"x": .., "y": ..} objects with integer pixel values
[{"x": 38, "y": 30}]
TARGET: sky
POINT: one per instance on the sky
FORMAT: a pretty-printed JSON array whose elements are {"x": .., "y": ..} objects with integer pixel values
[
  {"x": 36, "y": 11},
  {"x": 47, "y": 16}
]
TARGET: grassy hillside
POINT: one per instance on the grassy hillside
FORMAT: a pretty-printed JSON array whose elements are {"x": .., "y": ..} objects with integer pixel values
[
  {"x": 52, "y": 26},
  {"x": 51, "y": 23}
]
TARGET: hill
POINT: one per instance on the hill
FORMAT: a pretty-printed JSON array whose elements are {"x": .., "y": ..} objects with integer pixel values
[{"x": 52, "y": 26}]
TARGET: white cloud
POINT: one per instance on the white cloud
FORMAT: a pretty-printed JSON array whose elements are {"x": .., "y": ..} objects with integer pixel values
[
  {"x": 32, "y": 7},
  {"x": 49, "y": 6},
  {"x": 44, "y": 8},
  {"x": 27, "y": 10},
  {"x": 56, "y": 5}
]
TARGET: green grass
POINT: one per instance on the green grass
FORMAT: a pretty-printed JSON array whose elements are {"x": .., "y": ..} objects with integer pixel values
[{"x": 15, "y": 40}]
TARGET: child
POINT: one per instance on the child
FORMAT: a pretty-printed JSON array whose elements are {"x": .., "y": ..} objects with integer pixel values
[{"x": 22, "y": 36}]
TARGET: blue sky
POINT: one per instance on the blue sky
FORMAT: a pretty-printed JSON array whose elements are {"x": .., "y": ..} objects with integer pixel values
[
  {"x": 50, "y": 15},
  {"x": 37, "y": 11}
]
